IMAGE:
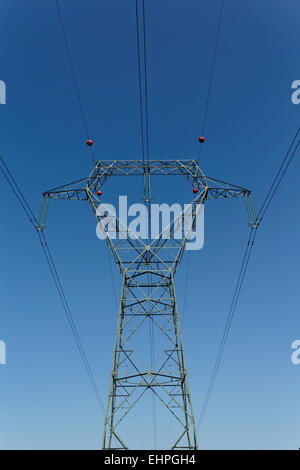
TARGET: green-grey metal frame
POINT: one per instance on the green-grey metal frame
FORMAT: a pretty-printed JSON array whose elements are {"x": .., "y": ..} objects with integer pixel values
[{"x": 148, "y": 296}]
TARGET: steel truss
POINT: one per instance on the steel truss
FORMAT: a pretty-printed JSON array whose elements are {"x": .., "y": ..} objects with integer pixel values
[{"x": 148, "y": 296}]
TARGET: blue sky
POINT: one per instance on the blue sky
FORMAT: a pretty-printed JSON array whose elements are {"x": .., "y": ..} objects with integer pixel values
[{"x": 46, "y": 400}]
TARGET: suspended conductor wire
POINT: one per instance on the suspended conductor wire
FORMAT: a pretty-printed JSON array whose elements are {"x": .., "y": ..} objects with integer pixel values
[
  {"x": 70, "y": 318},
  {"x": 75, "y": 81},
  {"x": 249, "y": 247},
  {"x": 32, "y": 219},
  {"x": 203, "y": 127},
  {"x": 17, "y": 192},
  {"x": 146, "y": 84},
  {"x": 211, "y": 74},
  {"x": 149, "y": 211},
  {"x": 279, "y": 175},
  {"x": 237, "y": 291},
  {"x": 144, "y": 125},
  {"x": 140, "y": 78}
]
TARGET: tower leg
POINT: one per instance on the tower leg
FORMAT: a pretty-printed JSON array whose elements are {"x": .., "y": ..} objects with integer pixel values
[{"x": 148, "y": 297}]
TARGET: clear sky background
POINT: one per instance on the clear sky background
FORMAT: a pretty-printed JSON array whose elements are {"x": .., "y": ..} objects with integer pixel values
[{"x": 45, "y": 397}]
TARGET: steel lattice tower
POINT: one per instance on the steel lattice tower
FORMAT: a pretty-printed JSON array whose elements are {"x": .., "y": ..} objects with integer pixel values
[{"x": 148, "y": 295}]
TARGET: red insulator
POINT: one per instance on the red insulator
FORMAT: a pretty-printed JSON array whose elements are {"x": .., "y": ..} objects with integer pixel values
[
  {"x": 99, "y": 193},
  {"x": 201, "y": 140},
  {"x": 89, "y": 142},
  {"x": 195, "y": 190}
]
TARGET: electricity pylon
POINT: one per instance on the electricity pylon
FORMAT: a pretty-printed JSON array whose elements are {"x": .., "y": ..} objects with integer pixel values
[{"x": 148, "y": 294}]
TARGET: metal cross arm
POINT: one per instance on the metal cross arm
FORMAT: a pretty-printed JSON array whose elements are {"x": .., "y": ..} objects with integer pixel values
[
  {"x": 86, "y": 189},
  {"x": 74, "y": 190}
]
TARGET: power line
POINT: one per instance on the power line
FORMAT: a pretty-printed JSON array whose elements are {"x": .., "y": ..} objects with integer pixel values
[
  {"x": 152, "y": 354},
  {"x": 142, "y": 52},
  {"x": 250, "y": 243},
  {"x": 18, "y": 194},
  {"x": 146, "y": 84},
  {"x": 144, "y": 125},
  {"x": 210, "y": 80},
  {"x": 140, "y": 78},
  {"x": 279, "y": 175},
  {"x": 211, "y": 74},
  {"x": 84, "y": 120},
  {"x": 49, "y": 258},
  {"x": 236, "y": 295},
  {"x": 75, "y": 81},
  {"x": 76, "y": 86},
  {"x": 69, "y": 315}
]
